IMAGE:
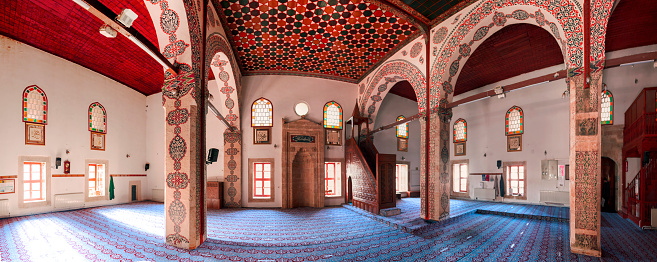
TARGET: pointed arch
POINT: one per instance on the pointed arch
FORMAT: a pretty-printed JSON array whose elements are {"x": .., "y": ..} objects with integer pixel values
[
  {"x": 460, "y": 130},
  {"x": 562, "y": 19},
  {"x": 382, "y": 81},
  {"x": 515, "y": 121},
  {"x": 35, "y": 105},
  {"x": 332, "y": 115}
]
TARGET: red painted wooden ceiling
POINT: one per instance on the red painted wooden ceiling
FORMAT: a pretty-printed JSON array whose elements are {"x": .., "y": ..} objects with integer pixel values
[
  {"x": 64, "y": 29},
  {"x": 514, "y": 50},
  {"x": 632, "y": 24},
  {"x": 404, "y": 89}
]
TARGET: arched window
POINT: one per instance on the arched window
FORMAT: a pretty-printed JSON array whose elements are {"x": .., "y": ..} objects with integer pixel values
[
  {"x": 262, "y": 113},
  {"x": 460, "y": 130},
  {"x": 332, "y": 115},
  {"x": 514, "y": 121},
  {"x": 402, "y": 130},
  {"x": 35, "y": 105},
  {"x": 607, "y": 112},
  {"x": 97, "y": 118}
]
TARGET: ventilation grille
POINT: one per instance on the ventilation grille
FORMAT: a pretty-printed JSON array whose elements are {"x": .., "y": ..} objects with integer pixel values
[
  {"x": 158, "y": 195},
  {"x": 69, "y": 201},
  {"x": 555, "y": 197}
]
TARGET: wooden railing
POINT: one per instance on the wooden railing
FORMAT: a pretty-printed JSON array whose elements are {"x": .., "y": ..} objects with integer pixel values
[
  {"x": 640, "y": 193},
  {"x": 645, "y": 125}
]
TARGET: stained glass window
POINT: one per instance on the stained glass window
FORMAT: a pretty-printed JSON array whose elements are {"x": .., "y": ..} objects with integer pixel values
[
  {"x": 332, "y": 115},
  {"x": 97, "y": 118},
  {"x": 607, "y": 113},
  {"x": 262, "y": 113},
  {"x": 460, "y": 131},
  {"x": 35, "y": 105},
  {"x": 402, "y": 130},
  {"x": 514, "y": 121}
]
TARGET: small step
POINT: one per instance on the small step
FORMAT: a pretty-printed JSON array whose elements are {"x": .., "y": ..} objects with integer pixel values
[{"x": 393, "y": 211}]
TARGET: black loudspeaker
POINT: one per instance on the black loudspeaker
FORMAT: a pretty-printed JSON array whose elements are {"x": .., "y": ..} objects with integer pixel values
[
  {"x": 499, "y": 164},
  {"x": 212, "y": 155},
  {"x": 646, "y": 157},
  {"x": 147, "y": 166}
]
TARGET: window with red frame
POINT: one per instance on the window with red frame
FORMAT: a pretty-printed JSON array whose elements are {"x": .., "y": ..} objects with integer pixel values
[
  {"x": 96, "y": 180},
  {"x": 34, "y": 181},
  {"x": 401, "y": 176},
  {"x": 332, "y": 184},
  {"x": 516, "y": 179},
  {"x": 262, "y": 180},
  {"x": 460, "y": 178}
]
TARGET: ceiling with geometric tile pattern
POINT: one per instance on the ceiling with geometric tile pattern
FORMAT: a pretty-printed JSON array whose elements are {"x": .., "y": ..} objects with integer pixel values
[{"x": 338, "y": 38}]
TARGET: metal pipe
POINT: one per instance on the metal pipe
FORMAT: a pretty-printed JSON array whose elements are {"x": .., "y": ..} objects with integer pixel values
[{"x": 221, "y": 117}]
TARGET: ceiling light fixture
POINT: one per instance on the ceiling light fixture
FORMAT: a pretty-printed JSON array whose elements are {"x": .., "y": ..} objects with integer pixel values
[
  {"x": 127, "y": 17},
  {"x": 499, "y": 91},
  {"x": 107, "y": 31},
  {"x": 83, "y": 4}
]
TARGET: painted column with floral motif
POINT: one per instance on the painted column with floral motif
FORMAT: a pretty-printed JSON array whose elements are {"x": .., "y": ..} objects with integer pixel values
[{"x": 184, "y": 181}]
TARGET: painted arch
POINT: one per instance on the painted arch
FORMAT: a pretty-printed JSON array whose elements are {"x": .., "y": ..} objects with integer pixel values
[
  {"x": 562, "y": 19},
  {"x": 384, "y": 78}
]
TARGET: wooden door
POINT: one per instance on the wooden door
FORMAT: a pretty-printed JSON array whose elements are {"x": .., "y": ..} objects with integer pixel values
[{"x": 608, "y": 180}]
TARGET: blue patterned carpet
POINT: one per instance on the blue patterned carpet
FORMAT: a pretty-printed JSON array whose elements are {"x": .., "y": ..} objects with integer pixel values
[{"x": 135, "y": 232}]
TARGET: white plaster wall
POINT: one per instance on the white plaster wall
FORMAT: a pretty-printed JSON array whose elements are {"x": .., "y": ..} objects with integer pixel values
[
  {"x": 546, "y": 121},
  {"x": 284, "y": 92},
  {"x": 155, "y": 144},
  {"x": 386, "y": 141},
  {"x": 70, "y": 89},
  {"x": 214, "y": 136}
]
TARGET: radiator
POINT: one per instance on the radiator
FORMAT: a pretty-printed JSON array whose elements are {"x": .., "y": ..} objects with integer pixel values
[
  {"x": 555, "y": 197},
  {"x": 4, "y": 207},
  {"x": 484, "y": 193},
  {"x": 69, "y": 201},
  {"x": 158, "y": 195}
]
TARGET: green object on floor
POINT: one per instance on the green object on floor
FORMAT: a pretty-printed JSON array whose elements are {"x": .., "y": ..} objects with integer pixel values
[{"x": 111, "y": 188}]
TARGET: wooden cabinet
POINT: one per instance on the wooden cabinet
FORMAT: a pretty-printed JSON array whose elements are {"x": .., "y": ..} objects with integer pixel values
[{"x": 215, "y": 191}]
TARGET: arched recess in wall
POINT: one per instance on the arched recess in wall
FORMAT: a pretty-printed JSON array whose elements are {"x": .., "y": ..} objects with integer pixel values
[
  {"x": 454, "y": 46},
  {"x": 384, "y": 78},
  {"x": 488, "y": 17},
  {"x": 631, "y": 24},
  {"x": 514, "y": 50},
  {"x": 225, "y": 90}
]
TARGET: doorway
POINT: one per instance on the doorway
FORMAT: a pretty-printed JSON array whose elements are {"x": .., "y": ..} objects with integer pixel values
[{"x": 608, "y": 181}]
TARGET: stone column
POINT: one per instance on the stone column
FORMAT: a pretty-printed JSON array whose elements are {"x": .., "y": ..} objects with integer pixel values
[
  {"x": 232, "y": 169},
  {"x": 585, "y": 162},
  {"x": 438, "y": 185},
  {"x": 184, "y": 198}
]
